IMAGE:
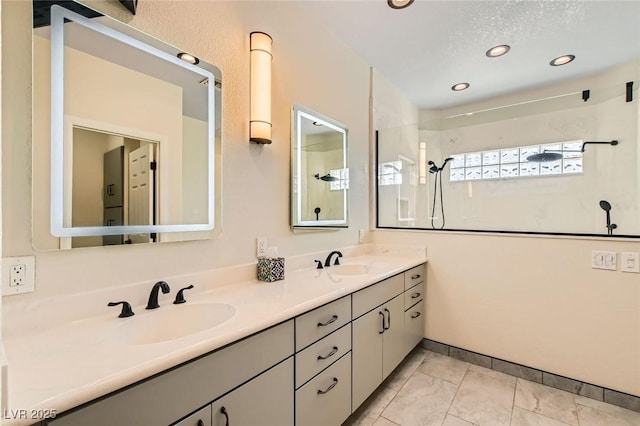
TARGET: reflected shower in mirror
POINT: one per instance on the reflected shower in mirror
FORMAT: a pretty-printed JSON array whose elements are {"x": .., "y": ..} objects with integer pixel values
[
  {"x": 125, "y": 132},
  {"x": 320, "y": 180}
]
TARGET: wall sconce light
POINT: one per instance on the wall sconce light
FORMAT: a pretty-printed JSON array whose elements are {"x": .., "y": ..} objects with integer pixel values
[{"x": 260, "y": 118}]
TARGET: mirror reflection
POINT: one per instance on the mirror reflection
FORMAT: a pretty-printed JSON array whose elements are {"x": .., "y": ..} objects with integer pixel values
[
  {"x": 320, "y": 173},
  {"x": 133, "y": 133}
]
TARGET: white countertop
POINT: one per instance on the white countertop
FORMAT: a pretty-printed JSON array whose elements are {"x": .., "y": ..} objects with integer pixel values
[{"x": 62, "y": 365}]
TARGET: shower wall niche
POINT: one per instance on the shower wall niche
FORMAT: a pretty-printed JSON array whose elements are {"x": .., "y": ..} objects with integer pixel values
[{"x": 490, "y": 185}]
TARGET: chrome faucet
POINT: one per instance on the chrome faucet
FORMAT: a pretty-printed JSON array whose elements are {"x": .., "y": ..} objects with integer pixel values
[
  {"x": 327, "y": 262},
  {"x": 153, "y": 297}
]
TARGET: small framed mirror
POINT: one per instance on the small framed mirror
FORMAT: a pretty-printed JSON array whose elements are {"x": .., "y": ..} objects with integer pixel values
[{"x": 320, "y": 173}]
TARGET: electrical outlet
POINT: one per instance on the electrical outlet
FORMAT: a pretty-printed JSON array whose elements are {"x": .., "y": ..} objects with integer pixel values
[
  {"x": 261, "y": 246},
  {"x": 18, "y": 275},
  {"x": 362, "y": 235}
]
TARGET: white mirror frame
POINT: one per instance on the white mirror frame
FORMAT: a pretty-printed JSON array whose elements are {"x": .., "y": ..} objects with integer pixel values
[
  {"x": 300, "y": 112},
  {"x": 58, "y": 226}
]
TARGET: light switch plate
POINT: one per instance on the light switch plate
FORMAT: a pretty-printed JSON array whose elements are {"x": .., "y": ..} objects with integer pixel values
[
  {"x": 630, "y": 262},
  {"x": 604, "y": 260}
]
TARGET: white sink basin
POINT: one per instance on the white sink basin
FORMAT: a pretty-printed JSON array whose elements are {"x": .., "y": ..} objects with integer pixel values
[
  {"x": 175, "y": 321},
  {"x": 353, "y": 269}
]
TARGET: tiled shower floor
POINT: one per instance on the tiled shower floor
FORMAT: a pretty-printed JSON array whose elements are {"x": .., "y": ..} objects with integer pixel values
[{"x": 433, "y": 389}]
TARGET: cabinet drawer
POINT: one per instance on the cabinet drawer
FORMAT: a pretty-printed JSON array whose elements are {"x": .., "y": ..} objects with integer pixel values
[
  {"x": 375, "y": 295},
  {"x": 322, "y": 354},
  {"x": 414, "y": 276},
  {"x": 326, "y": 399},
  {"x": 413, "y": 295},
  {"x": 199, "y": 418},
  {"x": 316, "y": 324},
  {"x": 414, "y": 325}
]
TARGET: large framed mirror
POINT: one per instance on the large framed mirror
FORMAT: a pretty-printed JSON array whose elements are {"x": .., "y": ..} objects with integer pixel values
[
  {"x": 126, "y": 134},
  {"x": 320, "y": 173}
]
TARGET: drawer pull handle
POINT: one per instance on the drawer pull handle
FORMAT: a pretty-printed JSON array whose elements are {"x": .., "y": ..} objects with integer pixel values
[
  {"x": 415, "y": 277},
  {"x": 200, "y": 422},
  {"x": 226, "y": 416},
  {"x": 329, "y": 355},
  {"x": 415, "y": 295},
  {"x": 416, "y": 315},
  {"x": 324, "y": 324},
  {"x": 333, "y": 385},
  {"x": 383, "y": 328},
  {"x": 388, "y": 319}
]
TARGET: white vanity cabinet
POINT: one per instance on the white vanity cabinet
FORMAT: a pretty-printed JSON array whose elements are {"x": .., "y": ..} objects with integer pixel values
[
  {"x": 323, "y": 365},
  {"x": 378, "y": 335},
  {"x": 388, "y": 322},
  {"x": 314, "y": 369},
  {"x": 170, "y": 396}
]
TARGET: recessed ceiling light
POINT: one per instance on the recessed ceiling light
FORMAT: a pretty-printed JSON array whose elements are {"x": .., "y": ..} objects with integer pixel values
[
  {"x": 188, "y": 58},
  {"x": 460, "y": 86},
  {"x": 562, "y": 60},
  {"x": 496, "y": 51},
  {"x": 399, "y": 4}
]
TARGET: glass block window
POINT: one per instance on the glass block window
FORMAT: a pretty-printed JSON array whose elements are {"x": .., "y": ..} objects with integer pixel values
[
  {"x": 508, "y": 163},
  {"x": 390, "y": 173},
  {"x": 343, "y": 179}
]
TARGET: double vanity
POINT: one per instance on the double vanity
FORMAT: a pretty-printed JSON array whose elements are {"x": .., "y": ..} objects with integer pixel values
[{"x": 305, "y": 350}]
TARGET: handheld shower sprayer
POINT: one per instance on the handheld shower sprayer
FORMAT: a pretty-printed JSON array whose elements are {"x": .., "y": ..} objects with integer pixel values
[
  {"x": 606, "y": 206},
  {"x": 436, "y": 171}
]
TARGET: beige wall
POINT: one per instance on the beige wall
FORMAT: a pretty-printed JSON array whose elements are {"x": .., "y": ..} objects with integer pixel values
[
  {"x": 255, "y": 178},
  {"x": 534, "y": 301}
]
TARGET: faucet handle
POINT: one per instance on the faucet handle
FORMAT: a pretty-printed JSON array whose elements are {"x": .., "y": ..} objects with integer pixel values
[
  {"x": 180, "y": 296},
  {"x": 319, "y": 264},
  {"x": 126, "y": 309}
]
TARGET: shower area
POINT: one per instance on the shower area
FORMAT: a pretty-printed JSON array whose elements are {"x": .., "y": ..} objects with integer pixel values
[{"x": 563, "y": 163}]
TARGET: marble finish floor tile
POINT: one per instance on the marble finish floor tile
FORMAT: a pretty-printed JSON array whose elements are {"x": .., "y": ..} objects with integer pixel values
[
  {"x": 547, "y": 401},
  {"x": 371, "y": 409},
  {"x": 432, "y": 389},
  {"x": 485, "y": 399},
  {"x": 401, "y": 374},
  {"x": 422, "y": 401},
  {"x": 443, "y": 367},
  {"x": 384, "y": 422},
  {"x": 522, "y": 417},
  {"x": 590, "y": 409},
  {"x": 455, "y": 421}
]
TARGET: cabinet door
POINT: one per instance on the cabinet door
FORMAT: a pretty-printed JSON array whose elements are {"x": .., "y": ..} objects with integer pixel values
[
  {"x": 394, "y": 341},
  {"x": 266, "y": 400},
  {"x": 367, "y": 355}
]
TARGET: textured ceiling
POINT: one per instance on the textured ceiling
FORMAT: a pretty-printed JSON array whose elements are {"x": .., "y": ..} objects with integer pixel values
[{"x": 431, "y": 45}]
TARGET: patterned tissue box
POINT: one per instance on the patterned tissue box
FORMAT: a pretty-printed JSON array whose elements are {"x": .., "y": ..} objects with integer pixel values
[{"x": 271, "y": 269}]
